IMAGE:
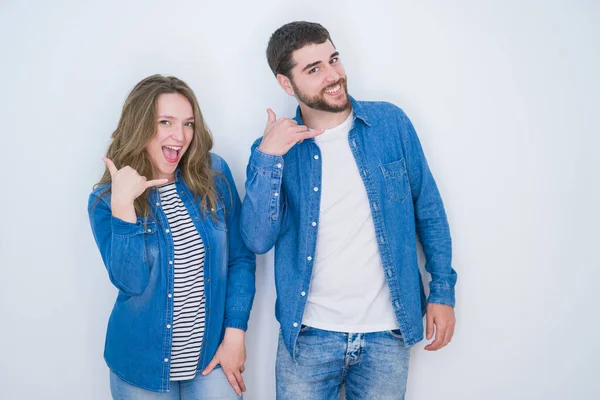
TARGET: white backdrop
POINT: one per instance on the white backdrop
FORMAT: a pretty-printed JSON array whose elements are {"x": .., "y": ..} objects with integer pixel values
[{"x": 503, "y": 96}]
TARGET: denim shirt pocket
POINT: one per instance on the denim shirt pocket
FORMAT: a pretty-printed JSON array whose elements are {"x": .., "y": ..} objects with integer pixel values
[
  {"x": 396, "y": 180},
  {"x": 151, "y": 240},
  {"x": 218, "y": 221}
]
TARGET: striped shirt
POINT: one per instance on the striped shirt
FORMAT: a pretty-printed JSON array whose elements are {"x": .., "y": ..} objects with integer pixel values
[{"x": 188, "y": 292}]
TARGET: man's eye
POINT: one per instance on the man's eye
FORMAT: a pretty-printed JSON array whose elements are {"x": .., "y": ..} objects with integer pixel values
[
  {"x": 334, "y": 60},
  {"x": 312, "y": 71}
]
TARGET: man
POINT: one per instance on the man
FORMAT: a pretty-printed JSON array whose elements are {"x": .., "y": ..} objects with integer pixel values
[{"x": 342, "y": 191}]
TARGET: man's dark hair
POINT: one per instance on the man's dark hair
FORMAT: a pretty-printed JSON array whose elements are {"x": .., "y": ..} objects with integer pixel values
[{"x": 289, "y": 38}]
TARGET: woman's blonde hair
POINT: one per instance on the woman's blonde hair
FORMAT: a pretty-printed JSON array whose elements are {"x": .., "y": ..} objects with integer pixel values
[{"x": 137, "y": 126}]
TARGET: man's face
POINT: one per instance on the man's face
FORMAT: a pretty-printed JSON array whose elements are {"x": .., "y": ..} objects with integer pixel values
[{"x": 318, "y": 78}]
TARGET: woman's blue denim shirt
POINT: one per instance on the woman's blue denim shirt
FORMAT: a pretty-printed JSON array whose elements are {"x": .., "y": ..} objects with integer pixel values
[{"x": 139, "y": 260}]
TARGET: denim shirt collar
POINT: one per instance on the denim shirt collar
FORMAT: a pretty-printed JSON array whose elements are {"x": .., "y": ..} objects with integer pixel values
[{"x": 357, "y": 109}]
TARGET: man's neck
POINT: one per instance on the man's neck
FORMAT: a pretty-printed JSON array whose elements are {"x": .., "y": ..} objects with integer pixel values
[{"x": 317, "y": 119}]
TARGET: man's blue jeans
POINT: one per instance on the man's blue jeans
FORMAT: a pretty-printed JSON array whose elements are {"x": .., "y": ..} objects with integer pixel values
[{"x": 371, "y": 366}]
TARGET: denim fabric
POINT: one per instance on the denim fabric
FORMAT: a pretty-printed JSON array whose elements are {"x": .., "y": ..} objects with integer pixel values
[
  {"x": 139, "y": 260},
  {"x": 214, "y": 386},
  {"x": 281, "y": 209},
  {"x": 371, "y": 366}
]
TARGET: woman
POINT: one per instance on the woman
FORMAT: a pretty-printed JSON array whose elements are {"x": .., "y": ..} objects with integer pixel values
[{"x": 165, "y": 217}]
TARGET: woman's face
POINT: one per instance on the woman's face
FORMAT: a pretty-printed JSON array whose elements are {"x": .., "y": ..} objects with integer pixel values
[{"x": 174, "y": 132}]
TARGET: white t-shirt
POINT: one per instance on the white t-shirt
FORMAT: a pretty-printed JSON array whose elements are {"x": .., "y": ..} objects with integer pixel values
[{"x": 348, "y": 291}]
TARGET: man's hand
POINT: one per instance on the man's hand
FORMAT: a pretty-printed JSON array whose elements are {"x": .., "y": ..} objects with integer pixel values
[
  {"x": 442, "y": 317},
  {"x": 231, "y": 355},
  {"x": 283, "y": 133}
]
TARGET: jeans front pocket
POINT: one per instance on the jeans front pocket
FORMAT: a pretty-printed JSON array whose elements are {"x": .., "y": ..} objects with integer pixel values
[{"x": 395, "y": 333}]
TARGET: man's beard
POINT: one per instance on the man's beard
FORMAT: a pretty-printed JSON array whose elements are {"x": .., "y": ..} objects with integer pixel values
[{"x": 318, "y": 102}]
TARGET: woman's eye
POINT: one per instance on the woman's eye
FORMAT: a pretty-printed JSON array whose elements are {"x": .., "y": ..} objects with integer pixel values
[
  {"x": 164, "y": 122},
  {"x": 190, "y": 124}
]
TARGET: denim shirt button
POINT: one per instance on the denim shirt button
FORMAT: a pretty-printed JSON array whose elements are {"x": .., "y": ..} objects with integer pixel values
[
  {"x": 157, "y": 204},
  {"x": 295, "y": 324},
  {"x": 169, "y": 295},
  {"x": 275, "y": 194},
  {"x": 316, "y": 157},
  {"x": 279, "y": 165},
  {"x": 309, "y": 258},
  {"x": 168, "y": 326},
  {"x": 170, "y": 262},
  {"x": 166, "y": 231},
  {"x": 303, "y": 294},
  {"x": 316, "y": 189},
  {"x": 314, "y": 223},
  {"x": 166, "y": 360}
]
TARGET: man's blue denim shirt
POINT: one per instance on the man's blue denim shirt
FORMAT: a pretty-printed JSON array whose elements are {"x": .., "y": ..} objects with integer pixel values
[
  {"x": 139, "y": 260},
  {"x": 281, "y": 209}
]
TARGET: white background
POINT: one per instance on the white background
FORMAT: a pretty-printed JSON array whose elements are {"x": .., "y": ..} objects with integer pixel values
[{"x": 504, "y": 96}]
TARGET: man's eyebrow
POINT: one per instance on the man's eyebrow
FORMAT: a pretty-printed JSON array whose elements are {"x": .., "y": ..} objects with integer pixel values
[{"x": 311, "y": 65}]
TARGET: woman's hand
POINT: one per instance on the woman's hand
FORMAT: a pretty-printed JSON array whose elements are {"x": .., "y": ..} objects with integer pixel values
[
  {"x": 127, "y": 185},
  {"x": 231, "y": 355}
]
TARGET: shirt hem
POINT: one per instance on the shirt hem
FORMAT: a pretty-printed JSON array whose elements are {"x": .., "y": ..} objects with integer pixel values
[{"x": 351, "y": 328}]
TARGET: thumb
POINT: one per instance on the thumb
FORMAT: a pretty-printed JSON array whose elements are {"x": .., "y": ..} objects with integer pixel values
[
  {"x": 110, "y": 165},
  {"x": 213, "y": 363},
  {"x": 429, "y": 328},
  {"x": 272, "y": 117}
]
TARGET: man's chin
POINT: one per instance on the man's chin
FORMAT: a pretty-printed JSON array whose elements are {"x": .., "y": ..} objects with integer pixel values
[{"x": 340, "y": 105}]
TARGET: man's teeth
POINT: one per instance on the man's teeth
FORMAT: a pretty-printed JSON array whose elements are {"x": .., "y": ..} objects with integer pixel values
[{"x": 333, "y": 89}]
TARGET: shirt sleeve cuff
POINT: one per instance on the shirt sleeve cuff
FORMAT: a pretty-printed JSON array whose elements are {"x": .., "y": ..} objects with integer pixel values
[
  {"x": 266, "y": 163},
  {"x": 237, "y": 319},
  {"x": 442, "y": 295},
  {"x": 123, "y": 228}
]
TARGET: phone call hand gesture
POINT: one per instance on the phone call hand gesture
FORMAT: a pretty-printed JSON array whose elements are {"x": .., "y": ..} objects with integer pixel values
[{"x": 283, "y": 133}]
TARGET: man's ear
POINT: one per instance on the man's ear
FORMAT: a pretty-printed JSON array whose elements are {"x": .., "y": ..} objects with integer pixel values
[{"x": 286, "y": 84}]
